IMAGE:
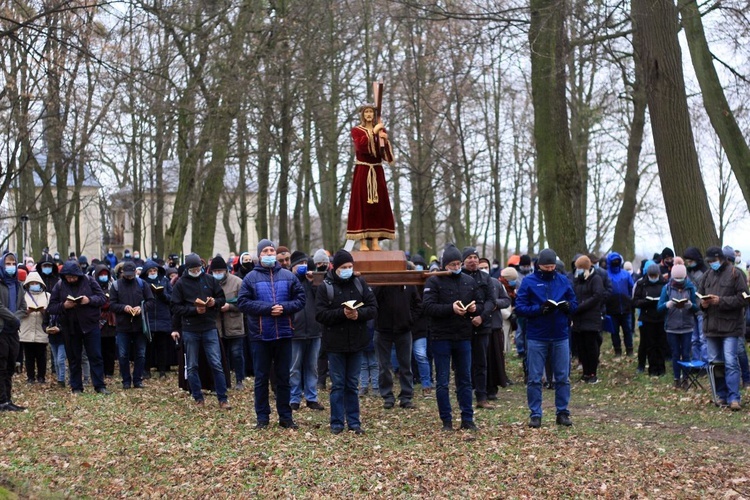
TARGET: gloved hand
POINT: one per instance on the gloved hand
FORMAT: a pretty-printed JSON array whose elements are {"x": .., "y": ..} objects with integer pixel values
[
  {"x": 564, "y": 307},
  {"x": 546, "y": 309}
]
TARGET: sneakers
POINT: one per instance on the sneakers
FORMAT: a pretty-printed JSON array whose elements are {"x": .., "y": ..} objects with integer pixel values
[
  {"x": 468, "y": 426},
  {"x": 314, "y": 405},
  {"x": 295, "y": 406},
  {"x": 485, "y": 404},
  {"x": 535, "y": 422},
  {"x": 592, "y": 380},
  {"x": 224, "y": 405},
  {"x": 388, "y": 405},
  {"x": 239, "y": 387},
  {"x": 447, "y": 426},
  {"x": 288, "y": 424},
  {"x": 428, "y": 392},
  {"x": 564, "y": 419},
  {"x": 735, "y": 406},
  {"x": 139, "y": 386},
  {"x": 103, "y": 391},
  {"x": 407, "y": 405}
]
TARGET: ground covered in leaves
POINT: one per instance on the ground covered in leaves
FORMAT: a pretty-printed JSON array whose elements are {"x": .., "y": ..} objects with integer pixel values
[{"x": 633, "y": 436}]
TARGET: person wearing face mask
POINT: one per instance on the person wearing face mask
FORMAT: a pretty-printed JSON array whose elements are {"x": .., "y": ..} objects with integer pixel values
[
  {"x": 696, "y": 268},
  {"x": 482, "y": 324},
  {"x": 159, "y": 352},
  {"x": 546, "y": 299},
  {"x": 129, "y": 298},
  {"x": 244, "y": 265},
  {"x": 345, "y": 336},
  {"x": 667, "y": 261},
  {"x": 303, "y": 376},
  {"x": 196, "y": 301},
  {"x": 619, "y": 304},
  {"x": 271, "y": 296},
  {"x": 321, "y": 264},
  {"x": 451, "y": 302},
  {"x": 47, "y": 269},
  {"x": 587, "y": 319},
  {"x": 496, "y": 374},
  {"x": 723, "y": 305},
  {"x": 12, "y": 308},
  {"x": 509, "y": 280},
  {"x": 110, "y": 258},
  {"x": 137, "y": 259},
  {"x": 79, "y": 323},
  {"x": 230, "y": 321},
  {"x": 653, "y": 337},
  {"x": 107, "y": 323},
  {"x": 679, "y": 303}
]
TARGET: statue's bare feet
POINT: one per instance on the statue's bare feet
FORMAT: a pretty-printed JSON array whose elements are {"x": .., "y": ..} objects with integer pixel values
[
  {"x": 375, "y": 245},
  {"x": 363, "y": 245}
]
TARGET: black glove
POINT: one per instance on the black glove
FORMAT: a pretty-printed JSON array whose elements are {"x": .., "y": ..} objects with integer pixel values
[
  {"x": 565, "y": 307},
  {"x": 547, "y": 308}
]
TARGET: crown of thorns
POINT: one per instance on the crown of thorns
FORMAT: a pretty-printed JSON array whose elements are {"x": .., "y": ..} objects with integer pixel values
[{"x": 367, "y": 105}]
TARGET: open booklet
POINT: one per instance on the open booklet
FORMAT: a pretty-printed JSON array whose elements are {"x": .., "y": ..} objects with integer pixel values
[
  {"x": 655, "y": 299},
  {"x": 704, "y": 297},
  {"x": 201, "y": 302},
  {"x": 465, "y": 307},
  {"x": 680, "y": 301},
  {"x": 74, "y": 299},
  {"x": 556, "y": 304},
  {"x": 352, "y": 304}
]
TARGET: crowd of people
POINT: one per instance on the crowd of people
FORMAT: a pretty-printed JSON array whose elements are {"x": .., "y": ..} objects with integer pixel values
[{"x": 264, "y": 315}]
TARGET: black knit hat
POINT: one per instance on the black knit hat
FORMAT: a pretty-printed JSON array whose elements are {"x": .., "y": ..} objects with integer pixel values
[
  {"x": 340, "y": 258},
  {"x": 468, "y": 251},
  {"x": 450, "y": 254},
  {"x": 193, "y": 260},
  {"x": 218, "y": 262},
  {"x": 525, "y": 260},
  {"x": 547, "y": 257},
  {"x": 298, "y": 257}
]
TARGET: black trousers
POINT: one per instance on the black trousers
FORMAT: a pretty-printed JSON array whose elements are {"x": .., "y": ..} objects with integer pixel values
[
  {"x": 384, "y": 343},
  {"x": 109, "y": 355},
  {"x": 479, "y": 346},
  {"x": 36, "y": 360},
  {"x": 588, "y": 344},
  {"x": 9, "y": 348},
  {"x": 653, "y": 338}
]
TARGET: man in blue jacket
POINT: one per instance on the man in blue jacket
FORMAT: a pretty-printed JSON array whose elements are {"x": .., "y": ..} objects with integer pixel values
[
  {"x": 270, "y": 296},
  {"x": 546, "y": 299},
  {"x": 620, "y": 304}
]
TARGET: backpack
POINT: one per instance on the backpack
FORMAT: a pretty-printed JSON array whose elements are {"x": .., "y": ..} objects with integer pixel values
[{"x": 329, "y": 288}]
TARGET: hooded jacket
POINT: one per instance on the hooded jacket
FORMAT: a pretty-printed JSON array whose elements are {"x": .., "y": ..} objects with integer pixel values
[
  {"x": 646, "y": 298},
  {"x": 241, "y": 270},
  {"x": 263, "y": 288},
  {"x": 49, "y": 280},
  {"x": 10, "y": 317},
  {"x": 619, "y": 302},
  {"x": 340, "y": 334},
  {"x": 678, "y": 320},
  {"x": 533, "y": 293},
  {"x": 82, "y": 318},
  {"x": 440, "y": 292},
  {"x": 32, "y": 323},
  {"x": 186, "y": 290},
  {"x": 727, "y": 318},
  {"x": 160, "y": 317},
  {"x": 695, "y": 273},
  {"x": 231, "y": 324}
]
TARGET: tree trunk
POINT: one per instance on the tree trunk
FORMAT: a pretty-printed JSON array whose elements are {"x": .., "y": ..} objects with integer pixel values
[
  {"x": 685, "y": 198},
  {"x": 624, "y": 237},
  {"x": 722, "y": 118},
  {"x": 559, "y": 179}
]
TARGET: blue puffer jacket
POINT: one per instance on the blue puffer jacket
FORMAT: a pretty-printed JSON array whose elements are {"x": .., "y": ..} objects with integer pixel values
[
  {"x": 160, "y": 317},
  {"x": 620, "y": 301},
  {"x": 533, "y": 293},
  {"x": 263, "y": 288}
]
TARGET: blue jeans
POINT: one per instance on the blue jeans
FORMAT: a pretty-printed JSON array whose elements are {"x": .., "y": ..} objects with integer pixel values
[
  {"x": 344, "y": 368},
  {"x": 419, "y": 349},
  {"x": 370, "y": 371},
  {"x": 304, "y": 373},
  {"x": 210, "y": 341},
  {"x": 521, "y": 337},
  {"x": 76, "y": 343},
  {"x": 623, "y": 321},
  {"x": 138, "y": 342},
  {"x": 725, "y": 349},
  {"x": 236, "y": 349},
  {"x": 700, "y": 351},
  {"x": 58, "y": 358},
  {"x": 278, "y": 352},
  {"x": 537, "y": 354},
  {"x": 680, "y": 344},
  {"x": 460, "y": 352}
]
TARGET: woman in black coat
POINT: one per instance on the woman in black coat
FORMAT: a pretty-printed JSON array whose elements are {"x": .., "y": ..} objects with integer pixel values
[{"x": 587, "y": 318}]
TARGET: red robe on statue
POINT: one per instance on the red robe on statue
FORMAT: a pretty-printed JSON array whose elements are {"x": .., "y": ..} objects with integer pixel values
[{"x": 370, "y": 213}]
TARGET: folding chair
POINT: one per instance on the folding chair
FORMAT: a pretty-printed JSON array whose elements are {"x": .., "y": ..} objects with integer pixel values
[
  {"x": 715, "y": 372},
  {"x": 693, "y": 369}
]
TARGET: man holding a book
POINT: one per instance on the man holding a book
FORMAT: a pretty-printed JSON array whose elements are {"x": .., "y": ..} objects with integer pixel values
[{"x": 546, "y": 298}]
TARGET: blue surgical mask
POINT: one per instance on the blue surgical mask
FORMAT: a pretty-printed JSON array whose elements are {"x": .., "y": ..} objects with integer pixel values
[
  {"x": 219, "y": 276},
  {"x": 268, "y": 261},
  {"x": 47, "y": 270},
  {"x": 194, "y": 275},
  {"x": 302, "y": 270},
  {"x": 345, "y": 274},
  {"x": 35, "y": 287},
  {"x": 512, "y": 282},
  {"x": 653, "y": 280},
  {"x": 10, "y": 270},
  {"x": 715, "y": 265},
  {"x": 103, "y": 279},
  {"x": 678, "y": 280},
  {"x": 153, "y": 276},
  {"x": 579, "y": 272},
  {"x": 456, "y": 271},
  {"x": 419, "y": 267}
]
